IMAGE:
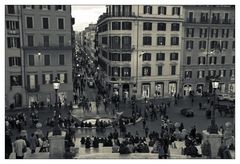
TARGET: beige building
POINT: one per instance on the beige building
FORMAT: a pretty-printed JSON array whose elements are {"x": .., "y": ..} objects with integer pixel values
[
  {"x": 208, "y": 49},
  {"x": 46, "y": 53},
  {"x": 140, "y": 49}
]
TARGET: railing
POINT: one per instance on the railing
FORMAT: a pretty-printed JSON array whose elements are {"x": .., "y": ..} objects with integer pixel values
[
  {"x": 36, "y": 89},
  {"x": 202, "y": 20},
  {"x": 191, "y": 20},
  {"x": 215, "y": 21},
  {"x": 13, "y": 32},
  {"x": 119, "y": 14},
  {"x": 226, "y": 21},
  {"x": 48, "y": 48}
]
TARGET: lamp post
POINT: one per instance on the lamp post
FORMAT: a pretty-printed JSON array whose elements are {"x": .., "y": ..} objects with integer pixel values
[
  {"x": 213, "y": 128},
  {"x": 56, "y": 130}
]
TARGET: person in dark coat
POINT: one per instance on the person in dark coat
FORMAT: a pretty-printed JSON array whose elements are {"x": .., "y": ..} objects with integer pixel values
[
  {"x": 206, "y": 149},
  {"x": 8, "y": 145}
]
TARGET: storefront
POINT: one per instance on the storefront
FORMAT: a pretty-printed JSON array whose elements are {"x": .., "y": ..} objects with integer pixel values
[
  {"x": 159, "y": 89},
  {"x": 145, "y": 90},
  {"x": 199, "y": 89},
  {"x": 172, "y": 88},
  {"x": 187, "y": 88}
]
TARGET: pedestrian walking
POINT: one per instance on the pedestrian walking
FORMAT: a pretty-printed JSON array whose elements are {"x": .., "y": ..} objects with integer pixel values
[
  {"x": 33, "y": 143},
  {"x": 20, "y": 147},
  {"x": 8, "y": 145}
]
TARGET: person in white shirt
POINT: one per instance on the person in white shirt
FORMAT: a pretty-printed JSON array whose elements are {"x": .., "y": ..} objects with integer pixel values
[{"x": 19, "y": 145}]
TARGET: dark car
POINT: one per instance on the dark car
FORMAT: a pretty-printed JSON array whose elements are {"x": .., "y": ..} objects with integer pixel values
[{"x": 187, "y": 112}]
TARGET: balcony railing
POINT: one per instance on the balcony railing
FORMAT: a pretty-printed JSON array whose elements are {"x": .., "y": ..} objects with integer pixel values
[
  {"x": 215, "y": 21},
  {"x": 191, "y": 20},
  {"x": 119, "y": 14},
  {"x": 36, "y": 89},
  {"x": 47, "y": 48},
  {"x": 203, "y": 20},
  {"x": 226, "y": 21},
  {"x": 13, "y": 32}
]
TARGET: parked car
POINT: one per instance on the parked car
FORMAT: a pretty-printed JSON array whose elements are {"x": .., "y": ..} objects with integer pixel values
[
  {"x": 187, "y": 112},
  {"x": 91, "y": 83}
]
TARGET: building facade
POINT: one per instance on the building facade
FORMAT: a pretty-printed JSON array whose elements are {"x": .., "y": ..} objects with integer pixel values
[
  {"x": 46, "y": 46},
  {"x": 208, "y": 49},
  {"x": 140, "y": 49}
]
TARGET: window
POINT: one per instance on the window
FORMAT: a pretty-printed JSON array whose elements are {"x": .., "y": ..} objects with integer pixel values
[
  {"x": 29, "y": 22},
  {"x": 202, "y": 44},
  {"x": 173, "y": 70},
  {"x": 12, "y": 25},
  {"x": 223, "y": 60},
  {"x": 146, "y": 71},
  {"x": 215, "y": 45},
  {"x": 30, "y": 41},
  {"x": 104, "y": 40},
  {"x": 126, "y": 10},
  {"x": 162, "y": 10},
  {"x": 213, "y": 60},
  {"x": 45, "y": 23},
  {"x": 147, "y": 26},
  {"x": 31, "y": 60},
  {"x": 61, "y": 41},
  {"x": 189, "y": 44},
  {"x": 60, "y": 7},
  {"x": 173, "y": 56},
  {"x": 160, "y": 57},
  {"x": 45, "y": 7},
  {"x": 32, "y": 81},
  {"x": 116, "y": 10},
  {"x": 126, "y": 42},
  {"x": 161, "y": 26},
  {"x": 28, "y": 6},
  {"x": 203, "y": 32},
  {"x": 16, "y": 80},
  {"x": 176, "y": 11},
  {"x": 126, "y": 72},
  {"x": 188, "y": 60},
  {"x": 114, "y": 56},
  {"x": 126, "y": 25},
  {"x": 224, "y": 45},
  {"x": 233, "y": 45},
  {"x": 147, "y": 9},
  {"x": 11, "y": 9},
  {"x": 188, "y": 74},
  {"x": 161, "y": 40},
  {"x": 214, "y": 33},
  {"x": 46, "y": 41},
  {"x": 204, "y": 18},
  {"x": 46, "y": 60},
  {"x": 60, "y": 23},
  {"x": 190, "y": 32},
  {"x": 116, "y": 25},
  {"x": 174, "y": 40},
  {"x": 147, "y": 40},
  {"x": 175, "y": 27},
  {"x": 190, "y": 17},
  {"x": 222, "y": 73},
  {"x": 233, "y": 59},
  {"x": 62, "y": 77},
  {"x": 146, "y": 57},
  {"x": 160, "y": 70},
  {"x": 115, "y": 71},
  {"x": 115, "y": 42},
  {"x": 201, "y": 74},
  {"x": 13, "y": 42},
  {"x": 215, "y": 18},
  {"x": 232, "y": 72},
  {"x": 126, "y": 57},
  {"x": 61, "y": 59},
  {"x": 201, "y": 60},
  {"x": 14, "y": 61},
  {"x": 47, "y": 78}
]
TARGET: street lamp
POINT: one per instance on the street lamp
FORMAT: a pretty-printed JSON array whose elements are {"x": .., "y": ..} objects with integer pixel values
[
  {"x": 56, "y": 85},
  {"x": 213, "y": 129}
]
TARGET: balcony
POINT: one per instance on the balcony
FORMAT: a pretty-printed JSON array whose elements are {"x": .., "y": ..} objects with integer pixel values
[
  {"x": 204, "y": 20},
  {"x": 226, "y": 21},
  {"x": 191, "y": 20},
  {"x": 31, "y": 90},
  {"x": 13, "y": 32},
  {"x": 215, "y": 21},
  {"x": 57, "y": 47},
  {"x": 117, "y": 14}
]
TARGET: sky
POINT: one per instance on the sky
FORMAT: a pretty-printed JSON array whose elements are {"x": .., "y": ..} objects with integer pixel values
[{"x": 86, "y": 14}]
